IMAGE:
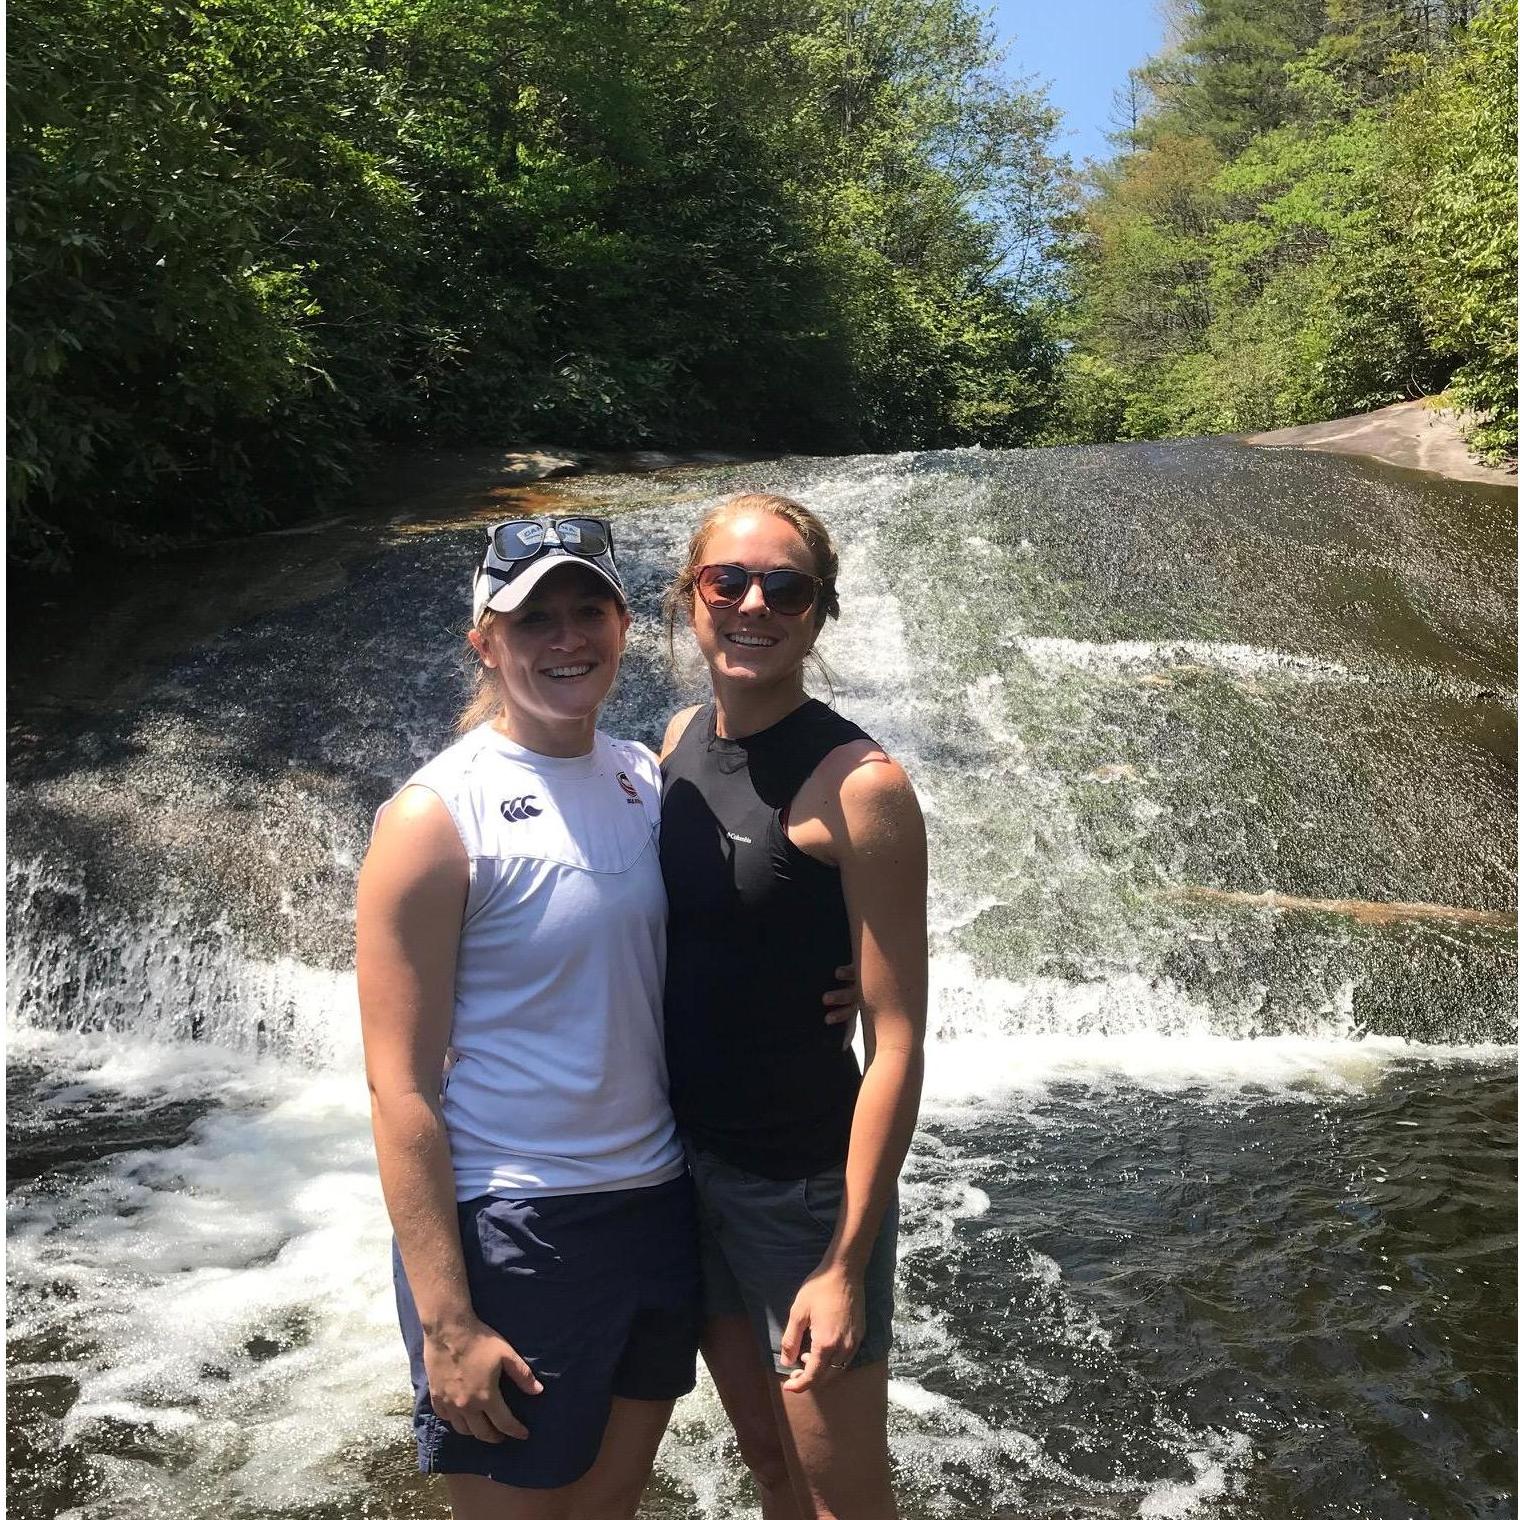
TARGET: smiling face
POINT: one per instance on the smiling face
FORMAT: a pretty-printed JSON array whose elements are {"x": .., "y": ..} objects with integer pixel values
[
  {"x": 556, "y": 657},
  {"x": 748, "y": 644}
]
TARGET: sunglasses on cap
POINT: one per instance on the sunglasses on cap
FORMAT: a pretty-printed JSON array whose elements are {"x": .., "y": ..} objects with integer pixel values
[
  {"x": 522, "y": 538},
  {"x": 787, "y": 592}
]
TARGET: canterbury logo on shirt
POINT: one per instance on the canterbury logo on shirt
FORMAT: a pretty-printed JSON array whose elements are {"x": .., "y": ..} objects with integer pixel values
[{"x": 515, "y": 809}]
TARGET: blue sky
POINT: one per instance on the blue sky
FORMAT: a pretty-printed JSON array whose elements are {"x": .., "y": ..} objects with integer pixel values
[{"x": 1082, "y": 49}]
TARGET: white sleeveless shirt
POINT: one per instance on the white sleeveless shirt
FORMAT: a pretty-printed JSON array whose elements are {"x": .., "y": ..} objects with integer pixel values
[{"x": 557, "y": 1080}]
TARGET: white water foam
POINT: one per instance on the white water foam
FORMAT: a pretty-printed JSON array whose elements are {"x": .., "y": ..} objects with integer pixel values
[
  {"x": 1224, "y": 1454},
  {"x": 229, "y": 1296},
  {"x": 227, "y": 1299},
  {"x": 1122, "y": 656},
  {"x": 994, "y": 1040},
  {"x": 165, "y": 973}
]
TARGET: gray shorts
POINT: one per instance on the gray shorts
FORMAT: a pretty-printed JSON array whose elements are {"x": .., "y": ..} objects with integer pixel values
[{"x": 760, "y": 1239}]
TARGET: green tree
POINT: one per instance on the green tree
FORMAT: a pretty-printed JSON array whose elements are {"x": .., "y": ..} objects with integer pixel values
[
  {"x": 250, "y": 239},
  {"x": 1225, "y": 78},
  {"x": 1456, "y": 132},
  {"x": 1342, "y": 240}
]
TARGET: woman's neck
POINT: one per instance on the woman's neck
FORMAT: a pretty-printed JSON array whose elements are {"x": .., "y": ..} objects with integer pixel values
[
  {"x": 744, "y": 709},
  {"x": 562, "y": 740}
]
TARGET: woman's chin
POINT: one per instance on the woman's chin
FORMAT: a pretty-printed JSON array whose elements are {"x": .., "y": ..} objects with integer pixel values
[
  {"x": 580, "y": 712},
  {"x": 574, "y": 704},
  {"x": 751, "y": 672}
]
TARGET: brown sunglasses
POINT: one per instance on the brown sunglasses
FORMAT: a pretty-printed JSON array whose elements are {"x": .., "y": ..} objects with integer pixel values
[{"x": 787, "y": 592}]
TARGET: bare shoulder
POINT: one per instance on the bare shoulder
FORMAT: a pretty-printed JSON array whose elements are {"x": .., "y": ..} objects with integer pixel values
[
  {"x": 415, "y": 808},
  {"x": 869, "y": 788},
  {"x": 876, "y": 785},
  {"x": 676, "y": 727},
  {"x": 415, "y": 832}
]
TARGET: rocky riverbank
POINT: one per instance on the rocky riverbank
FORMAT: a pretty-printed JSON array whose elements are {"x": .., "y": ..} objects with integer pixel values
[{"x": 1412, "y": 434}]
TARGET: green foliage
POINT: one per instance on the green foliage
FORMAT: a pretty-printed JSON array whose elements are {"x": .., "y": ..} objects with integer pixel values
[
  {"x": 1458, "y": 136},
  {"x": 149, "y": 340},
  {"x": 1227, "y": 77},
  {"x": 250, "y": 237},
  {"x": 1337, "y": 236}
]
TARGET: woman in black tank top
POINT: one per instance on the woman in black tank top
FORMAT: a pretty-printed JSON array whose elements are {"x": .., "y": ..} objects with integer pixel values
[{"x": 791, "y": 844}]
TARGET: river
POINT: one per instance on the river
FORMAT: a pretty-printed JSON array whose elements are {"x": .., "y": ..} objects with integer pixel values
[{"x": 1211, "y": 1210}]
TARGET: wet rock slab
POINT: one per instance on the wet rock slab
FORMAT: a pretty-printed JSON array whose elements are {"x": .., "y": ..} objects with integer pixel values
[{"x": 1412, "y": 434}]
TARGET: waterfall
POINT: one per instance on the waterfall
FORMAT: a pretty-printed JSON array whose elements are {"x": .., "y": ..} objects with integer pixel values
[{"x": 1125, "y": 744}]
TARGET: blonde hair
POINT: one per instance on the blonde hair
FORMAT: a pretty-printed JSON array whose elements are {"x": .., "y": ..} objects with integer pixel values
[
  {"x": 488, "y": 700},
  {"x": 747, "y": 504}
]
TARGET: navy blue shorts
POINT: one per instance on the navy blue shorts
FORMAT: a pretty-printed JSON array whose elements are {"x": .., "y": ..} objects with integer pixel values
[
  {"x": 762, "y": 1238},
  {"x": 600, "y": 1293}
]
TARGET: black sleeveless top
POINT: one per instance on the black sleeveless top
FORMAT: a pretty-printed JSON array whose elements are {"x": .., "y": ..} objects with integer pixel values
[{"x": 757, "y": 928}]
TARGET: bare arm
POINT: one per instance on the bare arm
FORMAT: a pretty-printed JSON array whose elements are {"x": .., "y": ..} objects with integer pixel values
[
  {"x": 412, "y": 893},
  {"x": 876, "y": 837}
]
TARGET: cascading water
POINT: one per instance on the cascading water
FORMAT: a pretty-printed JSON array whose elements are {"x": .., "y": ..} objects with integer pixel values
[{"x": 1210, "y": 1209}]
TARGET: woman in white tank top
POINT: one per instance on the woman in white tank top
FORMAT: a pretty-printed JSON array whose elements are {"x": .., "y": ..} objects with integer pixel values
[{"x": 511, "y": 922}]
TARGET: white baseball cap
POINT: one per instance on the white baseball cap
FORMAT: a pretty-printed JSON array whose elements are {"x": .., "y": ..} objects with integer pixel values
[{"x": 521, "y": 551}]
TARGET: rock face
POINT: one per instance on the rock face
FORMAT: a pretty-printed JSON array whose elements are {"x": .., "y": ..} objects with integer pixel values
[{"x": 1412, "y": 434}]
